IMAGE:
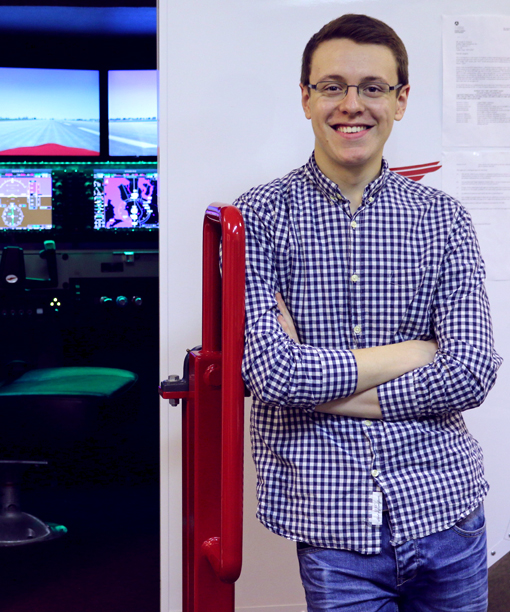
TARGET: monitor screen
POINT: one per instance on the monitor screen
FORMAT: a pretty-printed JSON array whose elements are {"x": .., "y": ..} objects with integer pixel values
[
  {"x": 47, "y": 111},
  {"x": 132, "y": 112},
  {"x": 125, "y": 199},
  {"x": 25, "y": 200}
]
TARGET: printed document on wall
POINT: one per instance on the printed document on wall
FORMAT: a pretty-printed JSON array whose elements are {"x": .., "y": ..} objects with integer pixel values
[
  {"x": 481, "y": 181},
  {"x": 476, "y": 80}
]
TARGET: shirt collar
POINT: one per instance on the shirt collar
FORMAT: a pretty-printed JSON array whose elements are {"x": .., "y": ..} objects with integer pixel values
[{"x": 332, "y": 191}]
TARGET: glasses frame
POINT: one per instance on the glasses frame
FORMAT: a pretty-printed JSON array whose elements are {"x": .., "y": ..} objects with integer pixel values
[{"x": 390, "y": 88}]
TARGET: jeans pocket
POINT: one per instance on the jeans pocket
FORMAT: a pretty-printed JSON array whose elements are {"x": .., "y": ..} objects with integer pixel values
[
  {"x": 304, "y": 549},
  {"x": 473, "y": 524}
]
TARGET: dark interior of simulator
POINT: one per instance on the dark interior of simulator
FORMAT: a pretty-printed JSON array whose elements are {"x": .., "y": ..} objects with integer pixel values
[{"x": 79, "y": 220}]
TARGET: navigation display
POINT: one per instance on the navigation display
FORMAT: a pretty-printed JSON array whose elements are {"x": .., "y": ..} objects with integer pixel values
[
  {"x": 125, "y": 199},
  {"x": 132, "y": 112},
  {"x": 49, "y": 112},
  {"x": 25, "y": 200}
]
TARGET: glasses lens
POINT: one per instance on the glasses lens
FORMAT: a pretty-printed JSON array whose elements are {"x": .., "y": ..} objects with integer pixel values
[
  {"x": 374, "y": 90},
  {"x": 331, "y": 89}
]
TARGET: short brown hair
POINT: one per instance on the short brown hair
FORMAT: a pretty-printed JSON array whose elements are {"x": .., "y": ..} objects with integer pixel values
[{"x": 360, "y": 29}]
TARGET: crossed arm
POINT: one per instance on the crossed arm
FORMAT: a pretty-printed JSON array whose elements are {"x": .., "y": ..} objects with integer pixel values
[
  {"x": 401, "y": 381},
  {"x": 376, "y": 365}
]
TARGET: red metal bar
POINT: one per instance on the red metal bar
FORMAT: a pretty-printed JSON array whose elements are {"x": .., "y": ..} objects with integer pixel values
[
  {"x": 225, "y": 552},
  {"x": 213, "y": 430},
  {"x": 211, "y": 281}
]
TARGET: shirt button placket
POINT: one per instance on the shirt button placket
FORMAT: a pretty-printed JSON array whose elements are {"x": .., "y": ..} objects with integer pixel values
[{"x": 355, "y": 277}]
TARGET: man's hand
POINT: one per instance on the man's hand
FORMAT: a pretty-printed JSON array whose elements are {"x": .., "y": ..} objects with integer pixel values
[{"x": 285, "y": 320}]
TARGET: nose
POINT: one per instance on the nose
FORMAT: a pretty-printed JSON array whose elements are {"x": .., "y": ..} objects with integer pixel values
[{"x": 352, "y": 103}]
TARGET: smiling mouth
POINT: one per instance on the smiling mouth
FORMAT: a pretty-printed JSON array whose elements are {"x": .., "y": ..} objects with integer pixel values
[{"x": 351, "y": 129}]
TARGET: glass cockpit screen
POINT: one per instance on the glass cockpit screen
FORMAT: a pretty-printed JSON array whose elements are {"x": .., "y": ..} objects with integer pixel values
[
  {"x": 48, "y": 111},
  {"x": 25, "y": 201},
  {"x": 125, "y": 199},
  {"x": 132, "y": 112}
]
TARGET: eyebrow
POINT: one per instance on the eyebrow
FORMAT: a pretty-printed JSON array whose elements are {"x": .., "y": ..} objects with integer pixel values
[{"x": 341, "y": 79}]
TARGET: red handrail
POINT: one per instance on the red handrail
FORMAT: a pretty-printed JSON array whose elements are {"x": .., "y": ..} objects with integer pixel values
[{"x": 225, "y": 293}]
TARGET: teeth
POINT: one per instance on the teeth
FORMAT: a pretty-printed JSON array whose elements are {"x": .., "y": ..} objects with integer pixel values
[{"x": 352, "y": 129}]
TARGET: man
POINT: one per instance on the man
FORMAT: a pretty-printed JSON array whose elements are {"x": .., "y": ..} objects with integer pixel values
[{"x": 367, "y": 334}]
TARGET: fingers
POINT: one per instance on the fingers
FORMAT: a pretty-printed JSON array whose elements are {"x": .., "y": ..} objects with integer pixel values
[
  {"x": 281, "y": 304},
  {"x": 285, "y": 319},
  {"x": 283, "y": 323}
]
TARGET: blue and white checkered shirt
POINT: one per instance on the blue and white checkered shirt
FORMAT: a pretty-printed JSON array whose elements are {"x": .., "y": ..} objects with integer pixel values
[{"x": 405, "y": 266}]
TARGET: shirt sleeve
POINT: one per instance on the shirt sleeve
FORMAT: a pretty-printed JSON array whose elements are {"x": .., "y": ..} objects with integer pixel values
[
  {"x": 277, "y": 370},
  {"x": 464, "y": 368}
]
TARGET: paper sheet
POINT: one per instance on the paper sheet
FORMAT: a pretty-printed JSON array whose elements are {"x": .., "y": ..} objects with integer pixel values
[
  {"x": 481, "y": 181},
  {"x": 476, "y": 80}
]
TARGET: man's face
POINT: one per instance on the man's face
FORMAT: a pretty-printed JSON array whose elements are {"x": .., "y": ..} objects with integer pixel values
[{"x": 338, "y": 148}]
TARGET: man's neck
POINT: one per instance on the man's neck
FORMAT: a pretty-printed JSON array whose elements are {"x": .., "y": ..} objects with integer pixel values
[
  {"x": 354, "y": 194},
  {"x": 351, "y": 180}
]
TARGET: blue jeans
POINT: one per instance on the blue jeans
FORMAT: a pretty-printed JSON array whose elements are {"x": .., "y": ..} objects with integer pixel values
[{"x": 443, "y": 572}]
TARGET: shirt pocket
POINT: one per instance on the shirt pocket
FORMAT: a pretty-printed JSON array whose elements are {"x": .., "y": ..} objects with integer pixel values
[{"x": 411, "y": 293}]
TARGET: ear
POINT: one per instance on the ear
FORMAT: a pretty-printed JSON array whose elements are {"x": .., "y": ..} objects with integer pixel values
[
  {"x": 403, "y": 96},
  {"x": 305, "y": 100}
]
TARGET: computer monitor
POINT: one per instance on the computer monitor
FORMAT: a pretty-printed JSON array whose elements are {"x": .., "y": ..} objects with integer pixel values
[
  {"x": 49, "y": 112},
  {"x": 125, "y": 199},
  {"x": 25, "y": 200},
  {"x": 132, "y": 112}
]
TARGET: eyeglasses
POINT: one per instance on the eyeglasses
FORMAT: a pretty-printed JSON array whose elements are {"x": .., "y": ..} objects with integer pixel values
[{"x": 367, "y": 91}]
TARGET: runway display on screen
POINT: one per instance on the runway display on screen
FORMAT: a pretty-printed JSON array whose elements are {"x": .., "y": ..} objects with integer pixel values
[{"x": 49, "y": 112}]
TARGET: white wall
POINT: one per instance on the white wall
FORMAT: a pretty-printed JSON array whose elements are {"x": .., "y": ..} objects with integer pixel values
[{"x": 230, "y": 118}]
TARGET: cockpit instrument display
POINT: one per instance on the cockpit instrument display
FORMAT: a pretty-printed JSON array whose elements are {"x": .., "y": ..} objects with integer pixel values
[
  {"x": 125, "y": 199},
  {"x": 25, "y": 200}
]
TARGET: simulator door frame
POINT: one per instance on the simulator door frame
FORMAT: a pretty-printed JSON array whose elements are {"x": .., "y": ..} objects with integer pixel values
[{"x": 212, "y": 391}]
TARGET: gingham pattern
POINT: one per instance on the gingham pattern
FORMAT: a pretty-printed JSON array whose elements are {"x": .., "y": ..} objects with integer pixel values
[{"x": 419, "y": 274}]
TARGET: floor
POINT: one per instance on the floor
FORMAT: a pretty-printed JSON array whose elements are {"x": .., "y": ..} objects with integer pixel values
[
  {"x": 108, "y": 561},
  {"x": 105, "y": 490},
  {"x": 499, "y": 585}
]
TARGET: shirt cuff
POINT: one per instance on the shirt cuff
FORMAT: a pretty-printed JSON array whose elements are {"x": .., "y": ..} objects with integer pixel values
[
  {"x": 340, "y": 375},
  {"x": 397, "y": 399}
]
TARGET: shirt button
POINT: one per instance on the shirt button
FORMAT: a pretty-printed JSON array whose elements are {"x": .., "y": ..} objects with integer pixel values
[
  {"x": 354, "y": 225},
  {"x": 370, "y": 199},
  {"x": 367, "y": 423},
  {"x": 355, "y": 278},
  {"x": 375, "y": 473},
  {"x": 357, "y": 329}
]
